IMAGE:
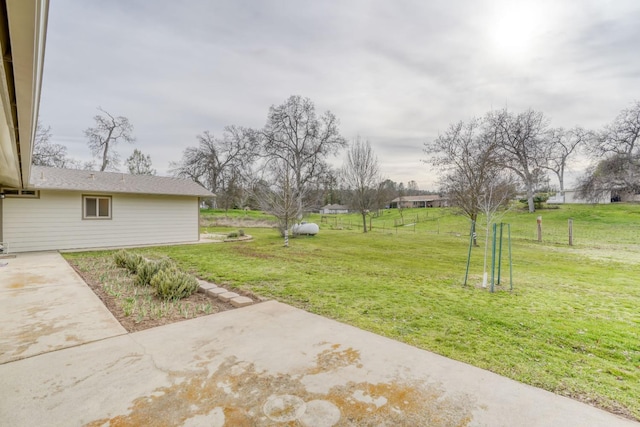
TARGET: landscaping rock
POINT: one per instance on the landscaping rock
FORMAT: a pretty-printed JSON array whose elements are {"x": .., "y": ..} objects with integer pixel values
[
  {"x": 205, "y": 286},
  {"x": 227, "y": 296},
  {"x": 241, "y": 301},
  {"x": 216, "y": 291}
]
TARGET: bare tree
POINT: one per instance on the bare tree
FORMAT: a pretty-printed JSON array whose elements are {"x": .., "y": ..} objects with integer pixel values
[
  {"x": 278, "y": 195},
  {"x": 412, "y": 188},
  {"x": 139, "y": 164},
  {"x": 617, "y": 150},
  {"x": 330, "y": 191},
  {"x": 622, "y": 136},
  {"x": 494, "y": 201},
  {"x": 106, "y": 134},
  {"x": 220, "y": 164},
  {"x": 615, "y": 173},
  {"x": 45, "y": 153},
  {"x": 319, "y": 187},
  {"x": 387, "y": 191},
  {"x": 361, "y": 176},
  {"x": 559, "y": 146},
  {"x": 402, "y": 193},
  {"x": 300, "y": 141},
  {"x": 520, "y": 138},
  {"x": 467, "y": 155}
]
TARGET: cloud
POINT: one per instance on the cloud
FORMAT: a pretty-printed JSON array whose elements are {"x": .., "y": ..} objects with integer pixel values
[{"x": 396, "y": 73}]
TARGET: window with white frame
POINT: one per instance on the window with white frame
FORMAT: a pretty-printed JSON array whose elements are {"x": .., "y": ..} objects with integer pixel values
[{"x": 96, "y": 207}]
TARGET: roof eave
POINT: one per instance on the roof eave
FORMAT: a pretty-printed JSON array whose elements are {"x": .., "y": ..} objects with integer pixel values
[{"x": 23, "y": 39}]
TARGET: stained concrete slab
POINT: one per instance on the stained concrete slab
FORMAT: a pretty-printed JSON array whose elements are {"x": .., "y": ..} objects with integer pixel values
[
  {"x": 270, "y": 364},
  {"x": 46, "y": 306}
]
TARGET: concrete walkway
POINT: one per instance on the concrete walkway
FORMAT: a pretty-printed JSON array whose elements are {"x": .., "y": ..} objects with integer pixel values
[
  {"x": 46, "y": 306},
  {"x": 268, "y": 364}
]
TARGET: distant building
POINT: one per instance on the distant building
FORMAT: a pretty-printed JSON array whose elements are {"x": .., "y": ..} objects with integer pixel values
[
  {"x": 425, "y": 201},
  {"x": 572, "y": 197},
  {"x": 625, "y": 196},
  {"x": 334, "y": 209}
]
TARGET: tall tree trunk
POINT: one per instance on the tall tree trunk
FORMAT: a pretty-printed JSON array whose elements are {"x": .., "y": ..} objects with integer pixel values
[
  {"x": 364, "y": 221},
  {"x": 532, "y": 206},
  {"x": 474, "y": 219},
  {"x": 104, "y": 157}
]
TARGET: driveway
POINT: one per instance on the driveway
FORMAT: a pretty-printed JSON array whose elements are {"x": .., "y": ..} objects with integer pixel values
[{"x": 268, "y": 364}]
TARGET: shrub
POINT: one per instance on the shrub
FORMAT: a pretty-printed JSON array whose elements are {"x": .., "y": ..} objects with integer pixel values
[
  {"x": 241, "y": 233},
  {"x": 145, "y": 273},
  {"x": 232, "y": 235},
  {"x": 148, "y": 269},
  {"x": 170, "y": 283},
  {"x": 133, "y": 261},
  {"x": 120, "y": 258},
  {"x": 538, "y": 200},
  {"x": 128, "y": 260}
]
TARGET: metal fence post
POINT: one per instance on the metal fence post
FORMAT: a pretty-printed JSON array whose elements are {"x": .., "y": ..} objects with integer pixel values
[
  {"x": 473, "y": 230},
  {"x": 570, "y": 231},
  {"x": 493, "y": 256},
  {"x": 500, "y": 253}
]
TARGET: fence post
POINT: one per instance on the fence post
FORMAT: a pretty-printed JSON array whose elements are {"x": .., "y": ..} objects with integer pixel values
[
  {"x": 493, "y": 256},
  {"x": 500, "y": 253},
  {"x": 570, "y": 231},
  {"x": 510, "y": 262},
  {"x": 471, "y": 233},
  {"x": 539, "y": 228}
]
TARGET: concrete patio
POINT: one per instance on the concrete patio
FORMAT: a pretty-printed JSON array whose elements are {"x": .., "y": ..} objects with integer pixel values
[
  {"x": 46, "y": 306},
  {"x": 263, "y": 365}
]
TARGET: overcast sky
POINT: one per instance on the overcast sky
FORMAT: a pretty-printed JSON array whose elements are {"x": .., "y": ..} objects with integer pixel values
[{"x": 394, "y": 72}]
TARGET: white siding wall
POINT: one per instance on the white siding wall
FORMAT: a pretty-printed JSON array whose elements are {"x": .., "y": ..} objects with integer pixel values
[
  {"x": 54, "y": 221},
  {"x": 571, "y": 196}
]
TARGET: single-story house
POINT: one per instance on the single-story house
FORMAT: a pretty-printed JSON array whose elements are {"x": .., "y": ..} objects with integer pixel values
[
  {"x": 572, "y": 197},
  {"x": 334, "y": 209},
  {"x": 426, "y": 201},
  {"x": 79, "y": 209},
  {"x": 47, "y": 208}
]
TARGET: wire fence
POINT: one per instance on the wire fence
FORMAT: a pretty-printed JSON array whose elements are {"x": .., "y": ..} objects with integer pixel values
[{"x": 560, "y": 233}]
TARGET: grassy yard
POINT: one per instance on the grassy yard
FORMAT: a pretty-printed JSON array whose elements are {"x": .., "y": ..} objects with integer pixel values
[{"x": 571, "y": 325}]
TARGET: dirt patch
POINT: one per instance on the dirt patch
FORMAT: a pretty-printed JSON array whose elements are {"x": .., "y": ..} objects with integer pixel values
[{"x": 136, "y": 307}]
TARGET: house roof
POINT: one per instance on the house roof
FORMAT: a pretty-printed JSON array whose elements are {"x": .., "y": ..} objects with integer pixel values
[
  {"x": 47, "y": 178},
  {"x": 424, "y": 198}
]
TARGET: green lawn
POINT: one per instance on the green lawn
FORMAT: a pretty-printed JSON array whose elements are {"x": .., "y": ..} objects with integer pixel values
[{"x": 571, "y": 325}]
